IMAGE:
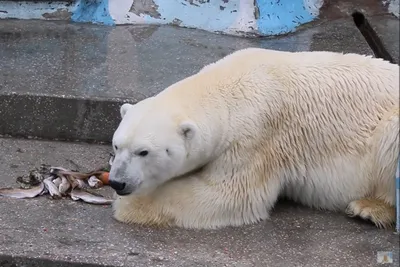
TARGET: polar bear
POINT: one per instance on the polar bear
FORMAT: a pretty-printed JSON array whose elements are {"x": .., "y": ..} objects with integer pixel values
[{"x": 219, "y": 147}]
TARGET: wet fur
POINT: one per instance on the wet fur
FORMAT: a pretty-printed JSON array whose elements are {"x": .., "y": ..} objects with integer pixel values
[{"x": 321, "y": 128}]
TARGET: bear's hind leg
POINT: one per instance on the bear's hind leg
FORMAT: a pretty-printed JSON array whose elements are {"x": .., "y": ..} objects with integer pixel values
[
  {"x": 379, "y": 206},
  {"x": 382, "y": 214}
]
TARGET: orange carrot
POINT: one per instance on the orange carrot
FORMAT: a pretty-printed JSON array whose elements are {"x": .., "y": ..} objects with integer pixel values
[{"x": 104, "y": 177}]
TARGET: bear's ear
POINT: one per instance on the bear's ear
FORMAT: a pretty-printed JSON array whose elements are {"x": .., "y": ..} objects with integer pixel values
[
  {"x": 188, "y": 129},
  {"x": 124, "y": 108}
]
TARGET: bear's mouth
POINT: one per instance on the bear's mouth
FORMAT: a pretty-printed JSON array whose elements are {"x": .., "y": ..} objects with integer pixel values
[
  {"x": 122, "y": 193},
  {"x": 123, "y": 189}
]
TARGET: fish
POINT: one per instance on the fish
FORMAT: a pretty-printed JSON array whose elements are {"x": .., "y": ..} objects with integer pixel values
[
  {"x": 72, "y": 180},
  {"x": 58, "y": 171},
  {"x": 78, "y": 194},
  {"x": 81, "y": 184},
  {"x": 64, "y": 185},
  {"x": 94, "y": 182},
  {"x": 52, "y": 188},
  {"x": 45, "y": 191},
  {"x": 57, "y": 181},
  {"x": 22, "y": 193}
]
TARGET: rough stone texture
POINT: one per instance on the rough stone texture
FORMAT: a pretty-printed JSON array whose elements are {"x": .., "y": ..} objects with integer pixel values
[
  {"x": 147, "y": 7},
  {"x": 43, "y": 232},
  {"x": 60, "y": 14},
  {"x": 386, "y": 30},
  {"x": 333, "y": 9},
  {"x": 66, "y": 81}
]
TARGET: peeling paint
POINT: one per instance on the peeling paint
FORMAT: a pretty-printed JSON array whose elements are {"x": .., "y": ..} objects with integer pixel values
[
  {"x": 256, "y": 10},
  {"x": 197, "y": 2},
  {"x": 61, "y": 13},
  {"x": 176, "y": 22},
  {"x": 119, "y": 11},
  {"x": 201, "y": 14},
  {"x": 147, "y": 7},
  {"x": 235, "y": 17},
  {"x": 31, "y": 10}
]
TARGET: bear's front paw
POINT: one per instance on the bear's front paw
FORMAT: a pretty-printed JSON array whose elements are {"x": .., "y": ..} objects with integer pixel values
[
  {"x": 380, "y": 213},
  {"x": 141, "y": 211}
]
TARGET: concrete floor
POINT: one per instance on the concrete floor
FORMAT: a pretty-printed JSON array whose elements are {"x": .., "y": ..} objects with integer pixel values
[
  {"x": 63, "y": 231},
  {"x": 90, "y": 62}
]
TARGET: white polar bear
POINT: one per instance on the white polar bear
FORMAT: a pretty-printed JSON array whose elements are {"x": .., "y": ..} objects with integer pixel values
[{"x": 218, "y": 148}]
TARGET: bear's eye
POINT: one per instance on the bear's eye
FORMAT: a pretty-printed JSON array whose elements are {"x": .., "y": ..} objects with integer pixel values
[
  {"x": 143, "y": 153},
  {"x": 115, "y": 147}
]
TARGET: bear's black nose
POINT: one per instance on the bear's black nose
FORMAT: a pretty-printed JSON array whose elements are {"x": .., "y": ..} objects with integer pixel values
[{"x": 117, "y": 186}]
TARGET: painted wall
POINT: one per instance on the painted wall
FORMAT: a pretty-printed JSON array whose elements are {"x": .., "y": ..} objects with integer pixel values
[
  {"x": 236, "y": 17},
  {"x": 265, "y": 17}
]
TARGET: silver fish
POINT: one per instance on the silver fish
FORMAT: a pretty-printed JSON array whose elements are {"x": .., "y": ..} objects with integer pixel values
[
  {"x": 22, "y": 193},
  {"x": 94, "y": 182},
  {"x": 81, "y": 184},
  {"x": 54, "y": 169},
  {"x": 77, "y": 175},
  {"x": 87, "y": 197},
  {"x": 64, "y": 185},
  {"x": 45, "y": 191},
  {"x": 53, "y": 190},
  {"x": 57, "y": 181}
]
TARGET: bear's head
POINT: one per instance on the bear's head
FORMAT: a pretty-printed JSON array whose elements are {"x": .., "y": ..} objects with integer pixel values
[{"x": 153, "y": 145}]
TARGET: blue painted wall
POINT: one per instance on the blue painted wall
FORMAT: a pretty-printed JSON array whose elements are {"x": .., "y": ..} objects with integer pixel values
[
  {"x": 212, "y": 16},
  {"x": 258, "y": 17},
  {"x": 94, "y": 11},
  {"x": 281, "y": 16}
]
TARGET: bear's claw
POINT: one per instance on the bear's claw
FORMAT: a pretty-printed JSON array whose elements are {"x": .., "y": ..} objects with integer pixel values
[{"x": 380, "y": 213}]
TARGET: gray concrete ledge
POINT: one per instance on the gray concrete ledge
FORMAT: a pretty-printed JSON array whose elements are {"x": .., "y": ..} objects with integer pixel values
[
  {"x": 59, "y": 118},
  {"x": 66, "y": 81},
  {"x": 20, "y": 261}
]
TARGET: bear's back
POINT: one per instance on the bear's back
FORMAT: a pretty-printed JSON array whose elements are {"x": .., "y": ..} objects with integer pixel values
[{"x": 329, "y": 99}]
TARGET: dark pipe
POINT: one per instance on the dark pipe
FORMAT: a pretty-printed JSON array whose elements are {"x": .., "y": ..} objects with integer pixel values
[{"x": 371, "y": 37}]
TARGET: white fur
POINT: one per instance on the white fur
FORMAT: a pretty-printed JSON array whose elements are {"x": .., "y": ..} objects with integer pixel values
[{"x": 319, "y": 127}]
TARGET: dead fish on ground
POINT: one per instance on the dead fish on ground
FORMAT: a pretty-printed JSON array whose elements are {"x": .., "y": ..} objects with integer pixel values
[
  {"x": 87, "y": 197},
  {"x": 64, "y": 185},
  {"x": 59, "y": 182},
  {"x": 52, "y": 188},
  {"x": 22, "y": 193},
  {"x": 94, "y": 182}
]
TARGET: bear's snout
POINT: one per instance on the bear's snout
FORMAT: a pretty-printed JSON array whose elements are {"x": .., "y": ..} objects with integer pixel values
[{"x": 117, "y": 186}]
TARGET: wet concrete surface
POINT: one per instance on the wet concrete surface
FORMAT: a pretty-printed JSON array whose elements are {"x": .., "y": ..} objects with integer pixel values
[
  {"x": 44, "y": 232},
  {"x": 81, "y": 73},
  {"x": 132, "y": 61},
  {"x": 386, "y": 31}
]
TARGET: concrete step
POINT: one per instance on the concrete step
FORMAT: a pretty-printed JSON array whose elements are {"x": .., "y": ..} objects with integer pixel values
[
  {"x": 66, "y": 81},
  {"x": 41, "y": 232}
]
